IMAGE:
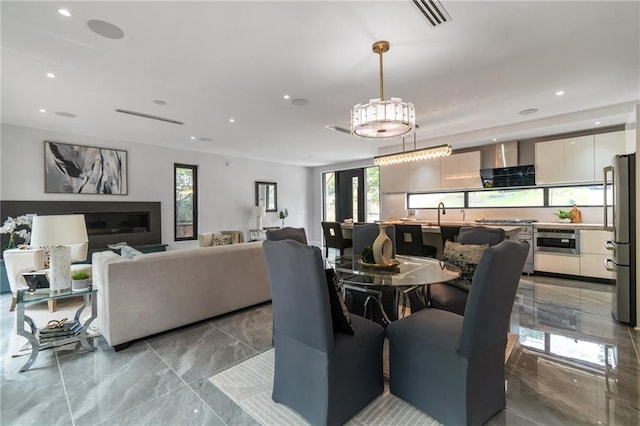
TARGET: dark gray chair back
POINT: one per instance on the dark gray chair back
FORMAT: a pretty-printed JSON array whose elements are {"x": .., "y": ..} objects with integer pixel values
[
  {"x": 333, "y": 237},
  {"x": 301, "y": 309},
  {"x": 449, "y": 233},
  {"x": 365, "y": 235},
  {"x": 409, "y": 241},
  {"x": 287, "y": 233},
  {"x": 480, "y": 235},
  {"x": 490, "y": 300}
]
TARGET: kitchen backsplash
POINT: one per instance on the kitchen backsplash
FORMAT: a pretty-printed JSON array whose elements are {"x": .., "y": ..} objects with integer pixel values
[{"x": 392, "y": 206}]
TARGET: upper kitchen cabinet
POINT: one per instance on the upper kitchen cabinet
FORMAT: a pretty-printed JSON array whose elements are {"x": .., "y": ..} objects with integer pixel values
[
  {"x": 607, "y": 145},
  {"x": 460, "y": 171},
  {"x": 394, "y": 178},
  {"x": 565, "y": 160},
  {"x": 424, "y": 175}
]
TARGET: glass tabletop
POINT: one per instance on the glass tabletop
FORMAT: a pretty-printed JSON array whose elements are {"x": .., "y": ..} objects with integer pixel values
[
  {"x": 26, "y": 296},
  {"x": 410, "y": 271}
]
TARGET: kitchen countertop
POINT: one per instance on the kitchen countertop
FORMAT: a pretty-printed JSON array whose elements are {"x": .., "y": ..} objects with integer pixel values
[
  {"x": 559, "y": 225},
  {"x": 429, "y": 227},
  {"x": 509, "y": 228}
]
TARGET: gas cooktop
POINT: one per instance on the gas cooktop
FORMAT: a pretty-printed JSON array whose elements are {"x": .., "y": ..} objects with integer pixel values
[{"x": 506, "y": 220}]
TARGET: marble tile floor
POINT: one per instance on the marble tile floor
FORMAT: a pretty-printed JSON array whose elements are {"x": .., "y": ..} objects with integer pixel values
[{"x": 573, "y": 365}]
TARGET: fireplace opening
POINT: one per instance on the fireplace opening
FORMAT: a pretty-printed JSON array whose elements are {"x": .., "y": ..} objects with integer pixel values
[{"x": 108, "y": 223}]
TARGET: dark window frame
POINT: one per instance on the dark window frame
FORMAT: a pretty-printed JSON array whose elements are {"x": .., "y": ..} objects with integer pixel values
[{"x": 194, "y": 170}]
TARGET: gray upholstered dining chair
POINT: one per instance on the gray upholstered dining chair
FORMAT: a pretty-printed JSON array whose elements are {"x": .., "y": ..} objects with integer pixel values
[
  {"x": 452, "y": 366},
  {"x": 287, "y": 233},
  {"x": 449, "y": 297},
  {"x": 326, "y": 376},
  {"x": 365, "y": 234}
]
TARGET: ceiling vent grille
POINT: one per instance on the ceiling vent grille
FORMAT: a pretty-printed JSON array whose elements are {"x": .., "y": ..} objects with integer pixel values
[
  {"x": 152, "y": 117},
  {"x": 433, "y": 11}
]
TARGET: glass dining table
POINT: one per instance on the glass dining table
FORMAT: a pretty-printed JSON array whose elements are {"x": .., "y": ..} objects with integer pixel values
[{"x": 411, "y": 273}]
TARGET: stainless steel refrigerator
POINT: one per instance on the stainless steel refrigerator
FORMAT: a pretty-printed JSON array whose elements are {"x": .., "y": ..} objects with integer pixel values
[{"x": 620, "y": 217}]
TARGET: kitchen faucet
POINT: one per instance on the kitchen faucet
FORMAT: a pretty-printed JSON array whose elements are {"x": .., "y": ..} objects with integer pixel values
[
  {"x": 443, "y": 211},
  {"x": 462, "y": 211}
]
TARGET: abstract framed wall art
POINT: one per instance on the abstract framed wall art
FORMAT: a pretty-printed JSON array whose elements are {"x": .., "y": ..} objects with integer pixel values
[{"x": 79, "y": 169}]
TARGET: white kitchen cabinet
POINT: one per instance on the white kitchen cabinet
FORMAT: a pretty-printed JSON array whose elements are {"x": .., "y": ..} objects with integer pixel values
[
  {"x": 576, "y": 160},
  {"x": 394, "y": 178},
  {"x": 606, "y": 145},
  {"x": 424, "y": 175},
  {"x": 579, "y": 159},
  {"x": 593, "y": 253},
  {"x": 565, "y": 160},
  {"x": 460, "y": 171},
  {"x": 557, "y": 262},
  {"x": 549, "y": 162}
]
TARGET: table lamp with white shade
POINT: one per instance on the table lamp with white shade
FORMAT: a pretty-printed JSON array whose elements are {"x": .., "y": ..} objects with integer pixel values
[
  {"x": 259, "y": 212},
  {"x": 58, "y": 232}
]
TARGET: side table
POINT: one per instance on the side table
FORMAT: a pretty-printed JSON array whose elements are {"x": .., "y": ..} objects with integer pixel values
[{"x": 26, "y": 297}]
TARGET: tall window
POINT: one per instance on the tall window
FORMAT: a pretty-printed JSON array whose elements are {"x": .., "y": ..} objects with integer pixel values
[
  {"x": 372, "y": 192},
  {"x": 329, "y": 197},
  {"x": 186, "y": 201}
]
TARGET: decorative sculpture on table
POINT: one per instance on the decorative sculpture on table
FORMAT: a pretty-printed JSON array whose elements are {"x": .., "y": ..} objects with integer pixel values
[{"x": 382, "y": 247}]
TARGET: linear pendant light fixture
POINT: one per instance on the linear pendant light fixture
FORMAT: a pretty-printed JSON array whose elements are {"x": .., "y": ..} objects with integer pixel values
[
  {"x": 413, "y": 155},
  {"x": 380, "y": 118}
]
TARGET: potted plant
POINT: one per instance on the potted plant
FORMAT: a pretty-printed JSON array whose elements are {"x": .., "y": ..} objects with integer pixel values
[
  {"x": 80, "y": 280},
  {"x": 563, "y": 215},
  {"x": 283, "y": 215}
]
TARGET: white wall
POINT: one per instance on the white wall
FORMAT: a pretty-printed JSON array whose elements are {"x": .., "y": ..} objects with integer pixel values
[{"x": 226, "y": 192}]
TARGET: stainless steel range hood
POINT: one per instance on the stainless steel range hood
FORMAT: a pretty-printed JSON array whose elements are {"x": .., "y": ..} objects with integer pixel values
[{"x": 506, "y": 154}]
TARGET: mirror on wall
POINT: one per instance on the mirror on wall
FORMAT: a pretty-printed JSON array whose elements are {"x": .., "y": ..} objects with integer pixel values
[{"x": 267, "y": 195}]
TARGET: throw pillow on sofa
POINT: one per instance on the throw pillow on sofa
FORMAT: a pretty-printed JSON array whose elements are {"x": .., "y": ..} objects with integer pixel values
[
  {"x": 465, "y": 257},
  {"x": 221, "y": 240},
  {"x": 129, "y": 252}
]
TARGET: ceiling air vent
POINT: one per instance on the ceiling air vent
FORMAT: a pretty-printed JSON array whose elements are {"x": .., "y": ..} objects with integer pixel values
[
  {"x": 433, "y": 11},
  {"x": 152, "y": 117}
]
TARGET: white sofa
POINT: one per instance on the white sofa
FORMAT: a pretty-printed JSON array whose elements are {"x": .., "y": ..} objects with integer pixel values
[{"x": 155, "y": 292}]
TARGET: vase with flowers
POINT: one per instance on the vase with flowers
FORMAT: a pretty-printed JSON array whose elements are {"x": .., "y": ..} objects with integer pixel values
[{"x": 18, "y": 227}]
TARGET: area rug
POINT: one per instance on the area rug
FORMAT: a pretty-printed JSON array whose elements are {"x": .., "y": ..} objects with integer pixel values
[
  {"x": 249, "y": 385},
  {"x": 39, "y": 312}
]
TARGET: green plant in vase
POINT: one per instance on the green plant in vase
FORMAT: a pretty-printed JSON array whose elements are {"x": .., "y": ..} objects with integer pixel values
[
  {"x": 283, "y": 215},
  {"x": 563, "y": 215}
]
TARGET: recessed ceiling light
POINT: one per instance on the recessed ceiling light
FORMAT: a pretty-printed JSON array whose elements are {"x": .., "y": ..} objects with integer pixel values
[
  {"x": 560, "y": 93},
  {"x": 287, "y": 97},
  {"x": 159, "y": 102},
  {"x": 51, "y": 75},
  {"x": 64, "y": 12},
  {"x": 42, "y": 110},
  {"x": 597, "y": 122},
  {"x": 193, "y": 138},
  {"x": 232, "y": 120},
  {"x": 495, "y": 139},
  {"x": 528, "y": 111}
]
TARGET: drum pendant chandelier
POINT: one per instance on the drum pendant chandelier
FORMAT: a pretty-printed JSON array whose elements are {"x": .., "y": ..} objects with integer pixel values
[{"x": 380, "y": 118}]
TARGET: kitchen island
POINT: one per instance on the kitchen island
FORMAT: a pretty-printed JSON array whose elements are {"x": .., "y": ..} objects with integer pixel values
[{"x": 431, "y": 231}]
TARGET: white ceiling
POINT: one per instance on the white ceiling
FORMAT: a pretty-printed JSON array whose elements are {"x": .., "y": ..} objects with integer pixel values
[{"x": 212, "y": 60}]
